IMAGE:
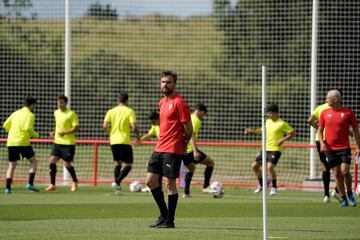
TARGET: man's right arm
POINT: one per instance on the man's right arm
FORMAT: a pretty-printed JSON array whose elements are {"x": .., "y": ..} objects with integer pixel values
[
  {"x": 311, "y": 121},
  {"x": 256, "y": 131}
]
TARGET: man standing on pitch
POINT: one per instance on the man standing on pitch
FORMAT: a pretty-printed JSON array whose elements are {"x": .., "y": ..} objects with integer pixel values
[
  {"x": 175, "y": 133},
  {"x": 336, "y": 120},
  {"x": 20, "y": 128},
  {"x": 117, "y": 124},
  {"x": 66, "y": 125}
]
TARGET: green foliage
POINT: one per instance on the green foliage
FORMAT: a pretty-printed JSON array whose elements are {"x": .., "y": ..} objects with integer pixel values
[{"x": 101, "y": 12}]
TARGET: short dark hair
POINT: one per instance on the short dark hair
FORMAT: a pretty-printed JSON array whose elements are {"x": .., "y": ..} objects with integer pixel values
[
  {"x": 29, "y": 100},
  {"x": 272, "y": 108},
  {"x": 171, "y": 74},
  {"x": 201, "y": 107},
  {"x": 154, "y": 115},
  {"x": 123, "y": 97},
  {"x": 62, "y": 97}
]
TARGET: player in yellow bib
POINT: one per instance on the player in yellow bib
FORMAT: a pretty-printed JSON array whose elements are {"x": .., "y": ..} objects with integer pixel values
[
  {"x": 154, "y": 131},
  {"x": 66, "y": 125},
  {"x": 277, "y": 132},
  {"x": 194, "y": 155},
  {"x": 20, "y": 128},
  {"x": 118, "y": 123}
]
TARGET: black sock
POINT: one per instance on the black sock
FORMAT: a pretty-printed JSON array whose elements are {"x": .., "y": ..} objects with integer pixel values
[
  {"x": 158, "y": 196},
  {"x": 8, "y": 183},
  {"x": 31, "y": 178},
  {"x": 326, "y": 182},
  {"x": 52, "y": 170},
  {"x": 349, "y": 192},
  {"x": 116, "y": 172},
  {"x": 336, "y": 190},
  {"x": 172, "y": 203},
  {"x": 188, "y": 178},
  {"x": 207, "y": 176},
  {"x": 123, "y": 173},
  {"x": 273, "y": 182},
  {"x": 260, "y": 182},
  {"x": 72, "y": 172}
]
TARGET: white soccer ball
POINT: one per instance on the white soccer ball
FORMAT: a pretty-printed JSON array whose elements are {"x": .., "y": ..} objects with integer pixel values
[
  {"x": 358, "y": 190},
  {"x": 216, "y": 189},
  {"x": 135, "y": 186}
]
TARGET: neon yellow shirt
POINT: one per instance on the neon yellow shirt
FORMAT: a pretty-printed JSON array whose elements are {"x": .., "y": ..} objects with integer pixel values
[
  {"x": 64, "y": 121},
  {"x": 154, "y": 131},
  {"x": 196, "y": 123},
  {"x": 275, "y": 130},
  {"x": 317, "y": 113},
  {"x": 120, "y": 118},
  {"x": 20, "y": 128}
]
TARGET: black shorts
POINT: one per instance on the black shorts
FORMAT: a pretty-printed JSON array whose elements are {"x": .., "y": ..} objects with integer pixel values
[
  {"x": 64, "y": 152},
  {"x": 122, "y": 152},
  {"x": 25, "y": 151},
  {"x": 321, "y": 154},
  {"x": 271, "y": 156},
  {"x": 189, "y": 158},
  {"x": 165, "y": 164},
  {"x": 337, "y": 157}
]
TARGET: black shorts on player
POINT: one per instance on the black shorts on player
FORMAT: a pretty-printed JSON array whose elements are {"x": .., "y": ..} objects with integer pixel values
[
  {"x": 64, "y": 152},
  {"x": 122, "y": 152},
  {"x": 165, "y": 164},
  {"x": 189, "y": 158},
  {"x": 337, "y": 157},
  {"x": 15, "y": 152},
  {"x": 271, "y": 156}
]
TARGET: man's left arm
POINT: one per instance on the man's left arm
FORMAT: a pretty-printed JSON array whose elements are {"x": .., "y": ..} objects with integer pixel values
[{"x": 188, "y": 132}]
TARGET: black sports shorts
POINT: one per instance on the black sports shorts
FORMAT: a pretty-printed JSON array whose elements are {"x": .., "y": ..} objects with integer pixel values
[
  {"x": 64, "y": 152},
  {"x": 165, "y": 164},
  {"x": 122, "y": 152},
  {"x": 189, "y": 158},
  {"x": 271, "y": 156},
  {"x": 25, "y": 151},
  {"x": 337, "y": 157}
]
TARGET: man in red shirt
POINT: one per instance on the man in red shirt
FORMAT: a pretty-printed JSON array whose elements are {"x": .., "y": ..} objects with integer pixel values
[
  {"x": 175, "y": 133},
  {"x": 336, "y": 120}
]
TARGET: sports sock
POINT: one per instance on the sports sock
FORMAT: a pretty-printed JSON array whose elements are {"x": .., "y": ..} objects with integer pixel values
[
  {"x": 52, "y": 170},
  {"x": 260, "y": 182},
  {"x": 8, "y": 183},
  {"x": 326, "y": 182},
  {"x": 123, "y": 173},
  {"x": 72, "y": 172},
  {"x": 172, "y": 203},
  {"x": 349, "y": 192},
  {"x": 31, "y": 178},
  {"x": 188, "y": 178},
  {"x": 158, "y": 195},
  {"x": 336, "y": 190},
  {"x": 207, "y": 176},
  {"x": 273, "y": 182},
  {"x": 116, "y": 172}
]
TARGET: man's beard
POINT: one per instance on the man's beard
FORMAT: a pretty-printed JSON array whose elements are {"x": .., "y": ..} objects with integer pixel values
[{"x": 168, "y": 92}]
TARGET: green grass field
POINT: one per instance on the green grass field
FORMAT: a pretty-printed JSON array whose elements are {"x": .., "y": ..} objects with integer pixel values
[{"x": 96, "y": 213}]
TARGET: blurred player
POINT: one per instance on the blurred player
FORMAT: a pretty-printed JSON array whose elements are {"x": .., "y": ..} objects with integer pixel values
[
  {"x": 154, "y": 131},
  {"x": 336, "y": 120},
  {"x": 118, "y": 123},
  {"x": 66, "y": 125},
  {"x": 20, "y": 128},
  {"x": 277, "y": 132},
  {"x": 194, "y": 155},
  {"x": 175, "y": 133}
]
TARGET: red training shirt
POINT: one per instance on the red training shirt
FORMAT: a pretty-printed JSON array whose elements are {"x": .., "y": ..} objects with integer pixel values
[
  {"x": 173, "y": 113},
  {"x": 337, "y": 125}
]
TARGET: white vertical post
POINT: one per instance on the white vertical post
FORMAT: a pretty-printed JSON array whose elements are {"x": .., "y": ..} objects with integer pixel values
[
  {"x": 67, "y": 84},
  {"x": 313, "y": 84},
  {"x": 264, "y": 177}
]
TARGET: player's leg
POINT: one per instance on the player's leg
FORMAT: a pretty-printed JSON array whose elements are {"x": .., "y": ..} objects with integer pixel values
[
  {"x": 13, "y": 157},
  {"x": 32, "y": 171},
  {"x": 67, "y": 155},
  {"x": 209, "y": 163},
  {"x": 154, "y": 172},
  {"x": 71, "y": 170},
  {"x": 125, "y": 155},
  {"x": 340, "y": 185},
  {"x": 255, "y": 166},
  {"x": 170, "y": 167},
  {"x": 345, "y": 171},
  {"x": 272, "y": 173},
  {"x": 325, "y": 173},
  {"x": 188, "y": 177},
  {"x": 52, "y": 171}
]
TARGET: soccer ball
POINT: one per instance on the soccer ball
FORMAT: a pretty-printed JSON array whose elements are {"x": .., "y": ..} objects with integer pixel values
[
  {"x": 358, "y": 190},
  {"x": 135, "y": 186},
  {"x": 216, "y": 189}
]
